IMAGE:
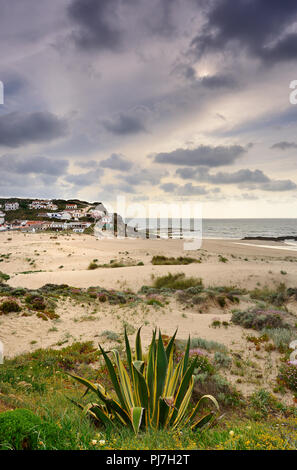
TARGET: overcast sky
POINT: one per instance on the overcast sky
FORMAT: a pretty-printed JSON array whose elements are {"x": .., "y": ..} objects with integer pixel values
[{"x": 154, "y": 100}]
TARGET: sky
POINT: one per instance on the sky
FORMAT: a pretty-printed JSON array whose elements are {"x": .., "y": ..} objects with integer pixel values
[{"x": 160, "y": 100}]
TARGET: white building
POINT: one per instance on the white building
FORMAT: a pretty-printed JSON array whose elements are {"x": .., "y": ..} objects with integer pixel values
[
  {"x": 43, "y": 205},
  {"x": 12, "y": 206},
  {"x": 2, "y": 217}
]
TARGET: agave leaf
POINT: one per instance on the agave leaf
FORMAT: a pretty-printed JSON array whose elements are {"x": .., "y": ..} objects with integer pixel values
[
  {"x": 160, "y": 375},
  {"x": 184, "y": 405},
  {"x": 170, "y": 345},
  {"x": 136, "y": 416},
  {"x": 138, "y": 348},
  {"x": 199, "y": 404},
  {"x": 170, "y": 372},
  {"x": 87, "y": 383},
  {"x": 150, "y": 371},
  {"x": 172, "y": 384},
  {"x": 203, "y": 421},
  {"x": 164, "y": 409},
  {"x": 75, "y": 403},
  {"x": 182, "y": 390},
  {"x": 114, "y": 379},
  {"x": 128, "y": 352},
  {"x": 125, "y": 382},
  {"x": 98, "y": 412},
  {"x": 141, "y": 387},
  {"x": 186, "y": 357}
]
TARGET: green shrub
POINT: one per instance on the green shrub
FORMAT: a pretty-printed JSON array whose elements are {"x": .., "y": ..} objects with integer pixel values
[
  {"x": 4, "y": 277},
  {"x": 35, "y": 302},
  {"x": 222, "y": 360},
  {"x": 288, "y": 376},
  {"x": 176, "y": 282},
  {"x": 258, "y": 319},
  {"x": 22, "y": 430},
  {"x": 9, "y": 306},
  {"x": 93, "y": 266},
  {"x": 155, "y": 302},
  {"x": 263, "y": 402},
  {"x": 19, "y": 429},
  {"x": 281, "y": 337},
  {"x": 202, "y": 344},
  {"x": 277, "y": 297}
]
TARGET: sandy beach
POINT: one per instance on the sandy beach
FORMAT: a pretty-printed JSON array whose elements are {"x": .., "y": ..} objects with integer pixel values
[
  {"x": 37, "y": 259},
  {"x": 65, "y": 259}
]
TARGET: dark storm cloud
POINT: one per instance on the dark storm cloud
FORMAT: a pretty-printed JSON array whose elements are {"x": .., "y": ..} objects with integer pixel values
[
  {"x": 202, "y": 155},
  {"x": 97, "y": 24},
  {"x": 104, "y": 24},
  {"x": 218, "y": 81},
  {"x": 252, "y": 179},
  {"x": 124, "y": 124},
  {"x": 19, "y": 129},
  {"x": 284, "y": 145},
  {"x": 161, "y": 22},
  {"x": 116, "y": 162},
  {"x": 257, "y": 26},
  {"x": 35, "y": 165}
]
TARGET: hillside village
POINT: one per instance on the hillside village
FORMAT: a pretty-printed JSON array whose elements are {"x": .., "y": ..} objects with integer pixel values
[{"x": 28, "y": 215}]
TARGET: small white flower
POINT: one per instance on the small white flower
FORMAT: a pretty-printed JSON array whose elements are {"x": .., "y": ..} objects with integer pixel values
[
  {"x": 102, "y": 443},
  {"x": 231, "y": 433},
  {"x": 94, "y": 442}
]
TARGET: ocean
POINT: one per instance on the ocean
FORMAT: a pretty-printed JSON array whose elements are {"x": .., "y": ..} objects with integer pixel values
[{"x": 223, "y": 228}]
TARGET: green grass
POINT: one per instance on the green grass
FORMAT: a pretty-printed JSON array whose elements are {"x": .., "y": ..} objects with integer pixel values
[
  {"x": 176, "y": 282},
  {"x": 37, "y": 382}
]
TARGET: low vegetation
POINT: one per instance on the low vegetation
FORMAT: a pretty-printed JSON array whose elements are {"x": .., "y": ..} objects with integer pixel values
[
  {"x": 177, "y": 281},
  {"x": 181, "y": 260}
]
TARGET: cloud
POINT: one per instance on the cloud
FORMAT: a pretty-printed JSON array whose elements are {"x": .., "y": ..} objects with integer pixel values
[
  {"x": 184, "y": 190},
  {"x": 284, "y": 145},
  {"x": 240, "y": 176},
  {"x": 161, "y": 22},
  {"x": 152, "y": 176},
  {"x": 169, "y": 187},
  {"x": 18, "y": 129},
  {"x": 124, "y": 124},
  {"x": 218, "y": 81},
  {"x": 202, "y": 155},
  {"x": 84, "y": 179},
  {"x": 96, "y": 24},
  {"x": 279, "y": 185},
  {"x": 34, "y": 165},
  {"x": 116, "y": 162},
  {"x": 252, "y": 179},
  {"x": 259, "y": 27}
]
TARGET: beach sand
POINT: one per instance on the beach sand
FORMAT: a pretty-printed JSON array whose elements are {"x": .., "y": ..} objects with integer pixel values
[{"x": 65, "y": 259}]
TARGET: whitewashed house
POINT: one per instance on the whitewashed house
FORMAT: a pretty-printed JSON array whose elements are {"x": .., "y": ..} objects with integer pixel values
[{"x": 12, "y": 206}]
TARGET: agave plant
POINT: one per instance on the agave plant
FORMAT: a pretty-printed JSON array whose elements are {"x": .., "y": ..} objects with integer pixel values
[{"x": 155, "y": 393}]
